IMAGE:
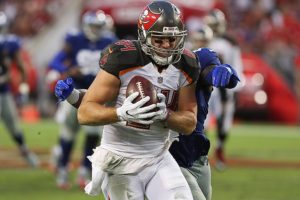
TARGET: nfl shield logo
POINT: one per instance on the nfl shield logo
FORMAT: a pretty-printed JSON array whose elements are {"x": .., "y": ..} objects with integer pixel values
[{"x": 160, "y": 79}]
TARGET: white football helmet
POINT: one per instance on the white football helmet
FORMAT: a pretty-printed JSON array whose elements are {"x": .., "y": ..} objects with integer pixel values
[{"x": 94, "y": 24}]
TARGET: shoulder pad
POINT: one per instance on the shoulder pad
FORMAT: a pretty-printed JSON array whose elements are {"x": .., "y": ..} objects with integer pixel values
[
  {"x": 189, "y": 65},
  {"x": 206, "y": 57},
  {"x": 121, "y": 55}
]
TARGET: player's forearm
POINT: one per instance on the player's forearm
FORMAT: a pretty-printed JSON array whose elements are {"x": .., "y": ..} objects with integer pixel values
[
  {"x": 86, "y": 116},
  {"x": 92, "y": 113},
  {"x": 183, "y": 122}
]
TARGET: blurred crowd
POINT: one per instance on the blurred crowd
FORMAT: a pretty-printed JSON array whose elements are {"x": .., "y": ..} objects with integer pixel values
[
  {"x": 29, "y": 17},
  {"x": 268, "y": 28}
]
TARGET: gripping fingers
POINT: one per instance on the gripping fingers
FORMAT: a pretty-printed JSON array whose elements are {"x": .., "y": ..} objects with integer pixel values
[
  {"x": 58, "y": 93},
  {"x": 145, "y": 109},
  {"x": 62, "y": 85},
  {"x": 147, "y": 115},
  {"x": 132, "y": 96},
  {"x": 161, "y": 105},
  {"x": 161, "y": 97},
  {"x": 141, "y": 102}
]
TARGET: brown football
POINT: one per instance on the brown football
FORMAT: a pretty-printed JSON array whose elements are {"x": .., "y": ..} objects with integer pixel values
[{"x": 144, "y": 87}]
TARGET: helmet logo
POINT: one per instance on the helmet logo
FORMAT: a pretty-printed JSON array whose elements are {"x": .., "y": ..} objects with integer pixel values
[
  {"x": 170, "y": 30},
  {"x": 147, "y": 19}
]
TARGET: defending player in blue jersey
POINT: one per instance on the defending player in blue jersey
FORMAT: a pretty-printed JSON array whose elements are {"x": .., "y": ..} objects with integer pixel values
[
  {"x": 10, "y": 48},
  {"x": 191, "y": 152},
  {"x": 79, "y": 59}
]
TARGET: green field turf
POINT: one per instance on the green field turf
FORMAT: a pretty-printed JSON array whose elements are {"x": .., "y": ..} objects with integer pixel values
[
  {"x": 263, "y": 141},
  {"x": 248, "y": 141}
]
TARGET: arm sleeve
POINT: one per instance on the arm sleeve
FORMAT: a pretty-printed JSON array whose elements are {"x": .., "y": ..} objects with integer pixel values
[{"x": 207, "y": 59}]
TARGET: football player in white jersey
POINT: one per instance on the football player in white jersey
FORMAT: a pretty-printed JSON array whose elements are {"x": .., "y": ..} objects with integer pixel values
[
  {"x": 135, "y": 160},
  {"x": 189, "y": 151},
  {"x": 222, "y": 102}
]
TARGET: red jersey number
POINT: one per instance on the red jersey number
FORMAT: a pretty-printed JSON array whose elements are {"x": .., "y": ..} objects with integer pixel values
[{"x": 127, "y": 45}]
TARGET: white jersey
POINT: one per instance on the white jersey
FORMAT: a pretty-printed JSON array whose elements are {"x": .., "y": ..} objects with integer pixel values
[{"x": 135, "y": 140}]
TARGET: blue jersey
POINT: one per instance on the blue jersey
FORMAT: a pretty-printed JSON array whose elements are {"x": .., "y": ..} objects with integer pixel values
[
  {"x": 190, "y": 148},
  {"x": 9, "y": 46},
  {"x": 83, "y": 53}
]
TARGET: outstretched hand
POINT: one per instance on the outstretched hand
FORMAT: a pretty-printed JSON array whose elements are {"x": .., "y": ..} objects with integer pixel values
[
  {"x": 63, "y": 89},
  {"x": 223, "y": 76}
]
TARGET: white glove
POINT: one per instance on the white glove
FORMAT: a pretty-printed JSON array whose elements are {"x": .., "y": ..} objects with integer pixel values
[
  {"x": 163, "y": 113},
  {"x": 134, "y": 112}
]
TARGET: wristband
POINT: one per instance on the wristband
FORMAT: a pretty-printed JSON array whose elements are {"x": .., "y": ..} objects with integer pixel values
[{"x": 73, "y": 97}]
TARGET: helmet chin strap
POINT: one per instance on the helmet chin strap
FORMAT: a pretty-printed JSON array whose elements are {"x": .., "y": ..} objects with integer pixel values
[{"x": 161, "y": 60}]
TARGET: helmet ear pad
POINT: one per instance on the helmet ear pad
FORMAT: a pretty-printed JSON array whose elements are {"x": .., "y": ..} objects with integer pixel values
[{"x": 161, "y": 19}]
